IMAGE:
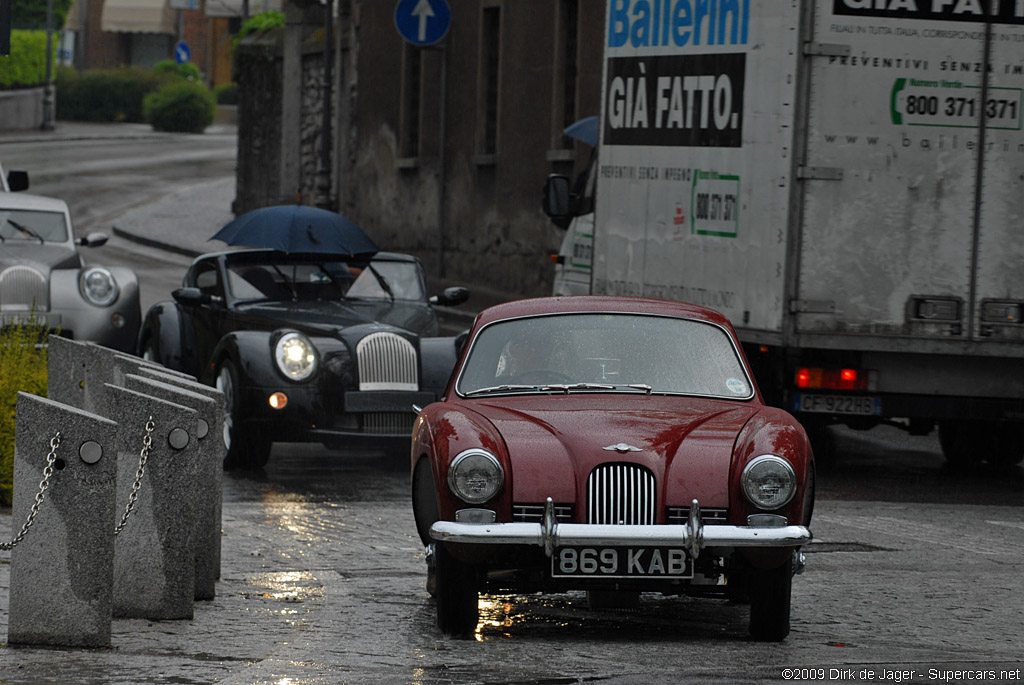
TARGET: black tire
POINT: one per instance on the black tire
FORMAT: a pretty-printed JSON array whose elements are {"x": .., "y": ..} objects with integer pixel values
[
  {"x": 245, "y": 447},
  {"x": 962, "y": 442},
  {"x": 770, "y": 592},
  {"x": 1000, "y": 443},
  {"x": 148, "y": 351},
  {"x": 457, "y": 599}
]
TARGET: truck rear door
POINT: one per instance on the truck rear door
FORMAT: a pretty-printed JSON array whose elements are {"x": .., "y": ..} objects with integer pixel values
[{"x": 913, "y": 177}]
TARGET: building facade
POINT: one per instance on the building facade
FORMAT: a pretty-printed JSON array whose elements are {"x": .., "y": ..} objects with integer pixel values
[{"x": 442, "y": 151}]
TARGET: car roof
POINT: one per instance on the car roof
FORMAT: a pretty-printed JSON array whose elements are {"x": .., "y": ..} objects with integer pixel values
[
  {"x": 32, "y": 202},
  {"x": 600, "y": 303}
]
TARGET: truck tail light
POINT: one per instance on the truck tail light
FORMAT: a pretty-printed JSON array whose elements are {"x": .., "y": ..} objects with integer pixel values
[{"x": 812, "y": 378}]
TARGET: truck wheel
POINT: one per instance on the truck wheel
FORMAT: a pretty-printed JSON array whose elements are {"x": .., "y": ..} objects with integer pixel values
[
  {"x": 962, "y": 442},
  {"x": 769, "y": 602},
  {"x": 457, "y": 601},
  {"x": 1007, "y": 444},
  {"x": 244, "y": 447}
]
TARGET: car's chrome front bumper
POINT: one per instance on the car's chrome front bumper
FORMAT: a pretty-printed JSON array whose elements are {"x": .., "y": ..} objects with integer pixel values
[{"x": 693, "y": 536}]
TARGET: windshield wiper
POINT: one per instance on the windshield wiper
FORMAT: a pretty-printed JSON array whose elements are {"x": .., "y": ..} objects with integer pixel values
[
  {"x": 501, "y": 388},
  {"x": 641, "y": 386},
  {"x": 385, "y": 286},
  {"x": 26, "y": 230},
  {"x": 566, "y": 387}
]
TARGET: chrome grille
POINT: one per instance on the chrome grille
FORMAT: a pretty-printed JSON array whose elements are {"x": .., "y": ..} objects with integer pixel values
[
  {"x": 620, "y": 494},
  {"x": 680, "y": 515},
  {"x": 388, "y": 423},
  {"x": 534, "y": 513},
  {"x": 22, "y": 287},
  {"x": 387, "y": 362}
]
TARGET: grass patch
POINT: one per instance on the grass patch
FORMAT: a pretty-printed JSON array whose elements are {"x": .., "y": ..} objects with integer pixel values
[{"x": 22, "y": 367}]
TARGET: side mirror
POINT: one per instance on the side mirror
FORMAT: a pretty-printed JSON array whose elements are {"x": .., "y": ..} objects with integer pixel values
[
  {"x": 95, "y": 239},
  {"x": 193, "y": 297},
  {"x": 451, "y": 297},
  {"x": 460, "y": 342},
  {"x": 557, "y": 198},
  {"x": 17, "y": 180}
]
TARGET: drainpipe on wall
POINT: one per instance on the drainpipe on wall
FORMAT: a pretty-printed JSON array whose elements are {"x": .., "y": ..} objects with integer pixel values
[
  {"x": 48, "y": 90},
  {"x": 324, "y": 199}
]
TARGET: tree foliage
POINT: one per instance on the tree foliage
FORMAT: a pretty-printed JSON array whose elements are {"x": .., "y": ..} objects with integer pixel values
[{"x": 31, "y": 14}]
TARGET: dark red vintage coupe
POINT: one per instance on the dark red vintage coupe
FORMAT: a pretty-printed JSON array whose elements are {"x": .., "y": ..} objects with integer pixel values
[{"x": 613, "y": 445}]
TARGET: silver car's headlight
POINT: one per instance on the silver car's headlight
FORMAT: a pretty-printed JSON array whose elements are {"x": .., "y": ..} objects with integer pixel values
[
  {"x": 475, "y": 476},
  {"x": 769, "y": 482},
  {"x": 295, "y": 356},
  {"x": 98, "y": 286}
]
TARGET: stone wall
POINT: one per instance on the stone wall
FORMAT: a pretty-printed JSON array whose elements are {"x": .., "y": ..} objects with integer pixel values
[{"x": 21, "y": 109}]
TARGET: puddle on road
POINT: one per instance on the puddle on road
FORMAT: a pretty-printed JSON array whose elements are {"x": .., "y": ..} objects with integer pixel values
[{"x": 658, "y": 618}]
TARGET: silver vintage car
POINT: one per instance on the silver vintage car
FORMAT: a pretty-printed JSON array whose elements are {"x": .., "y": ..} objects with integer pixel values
[{"x": 42, "y": 274}]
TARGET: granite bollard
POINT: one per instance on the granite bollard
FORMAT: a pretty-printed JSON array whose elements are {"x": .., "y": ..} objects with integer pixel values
[
  {"x": 208, "y": 495},
  {"x": 62, "y": 569},
  {"x": 78, "y": 370},
  {"x": 213, "y": 442},
  {"x": 154, "y": 554}
]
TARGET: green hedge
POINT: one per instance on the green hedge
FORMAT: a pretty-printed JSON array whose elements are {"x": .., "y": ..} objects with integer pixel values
[
  {"x": 22, "y": 367},
  {"x": 26, "y": 65},
  {"x": 107, "y": 94},
  {"x": 226, "y": 94},
  {"x": 183, "y": 107},
  {"x": 186, "y": 71}
]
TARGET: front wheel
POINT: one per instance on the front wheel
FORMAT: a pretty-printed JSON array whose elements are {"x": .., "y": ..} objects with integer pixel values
[
  {"x": 244, "y": 447},
  {"x": 457, "y": 600},
  {"x": 770, "y": 592}
]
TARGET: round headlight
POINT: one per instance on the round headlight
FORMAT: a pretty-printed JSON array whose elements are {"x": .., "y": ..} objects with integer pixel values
[
  {"x": 295, "y": 356},
  {"x": 475, "y": 476},
  {"x": 98, "y": 286},
  {"x": 769, "y": 482}
]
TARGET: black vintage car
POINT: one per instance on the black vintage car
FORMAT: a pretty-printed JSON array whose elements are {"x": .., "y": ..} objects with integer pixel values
[{"x": 306, "y": 348}]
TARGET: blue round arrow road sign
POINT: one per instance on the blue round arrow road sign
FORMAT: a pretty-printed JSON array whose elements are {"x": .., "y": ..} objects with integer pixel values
[
  {"x": 182, "y": 54},
  {"x": 423, "y": 22}
]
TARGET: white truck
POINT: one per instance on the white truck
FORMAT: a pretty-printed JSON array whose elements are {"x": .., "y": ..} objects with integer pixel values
[{"x": 844, "y": 179}]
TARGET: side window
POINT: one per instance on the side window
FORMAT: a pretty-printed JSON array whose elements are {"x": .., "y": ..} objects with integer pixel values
[{"x": 207, "y": 279}]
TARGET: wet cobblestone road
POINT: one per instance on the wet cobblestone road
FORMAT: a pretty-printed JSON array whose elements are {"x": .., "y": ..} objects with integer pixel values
[{"x": 323, "y": 582}]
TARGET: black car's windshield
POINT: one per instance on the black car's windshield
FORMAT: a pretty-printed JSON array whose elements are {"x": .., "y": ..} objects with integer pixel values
[
  {"x": 32, "y": 226},
  {"x": 604, "y": 353},
  {"x": 325, "y": 278}
]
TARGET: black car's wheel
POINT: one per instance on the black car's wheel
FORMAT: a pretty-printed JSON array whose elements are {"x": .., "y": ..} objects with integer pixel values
[
  {"x": 148, "y": 350},
  {"x": 243, "y": 449},
  {"x": 457, "y": 600},
  {"x": 770, "y": 591}
]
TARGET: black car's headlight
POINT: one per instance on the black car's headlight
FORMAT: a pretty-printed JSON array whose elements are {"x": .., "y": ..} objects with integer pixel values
[
  {"x": 769, "y": 482},
  {"x": 295, "y": 356},
  {"x": 475, "y": 476},
  {"x": 98, "y": 286}
]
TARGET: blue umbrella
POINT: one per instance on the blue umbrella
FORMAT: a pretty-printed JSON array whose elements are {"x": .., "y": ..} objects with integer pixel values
[
  {"x": 585, "y": 130},
  {"x": 297, "y": 228}
]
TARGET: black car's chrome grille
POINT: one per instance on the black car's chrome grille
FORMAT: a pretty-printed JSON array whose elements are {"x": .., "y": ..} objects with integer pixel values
[
  {"x": 22, "y": 287},
  {"x": 534, "y": 513},
  {"x": 387, "y": 362},
  {"x": 680, "y": 515},
  {"x": 620, "y": 494},
  {"x": 388, "y": 423}
]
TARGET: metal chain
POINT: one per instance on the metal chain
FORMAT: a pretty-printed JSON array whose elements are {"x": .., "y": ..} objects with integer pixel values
[
  {"x": 147, "y": 445},
  {"x": 43, "y": 485}
]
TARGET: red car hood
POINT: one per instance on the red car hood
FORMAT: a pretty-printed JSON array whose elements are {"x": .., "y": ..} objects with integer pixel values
[{"x": 554, "y": 442}]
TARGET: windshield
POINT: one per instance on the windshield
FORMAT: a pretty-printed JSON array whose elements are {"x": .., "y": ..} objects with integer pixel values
[
  {"x": 32, "y": 226},
  {"x": 604, "y": 352},
  {"x": 324, "y": 279}
]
